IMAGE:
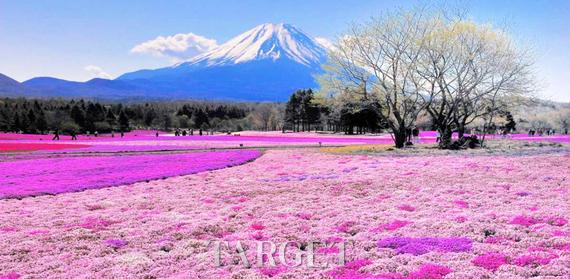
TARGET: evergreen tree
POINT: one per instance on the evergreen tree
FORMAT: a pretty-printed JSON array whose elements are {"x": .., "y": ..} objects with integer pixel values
[
  {"x": 111, "y": 118},
  {"x": 41, "y": 122},
  {"x": 200, "y": 118},
  {"x": 123, "y": 121},
  {"x": 31, "y": 118},
  {"x": 78, "y": 116}
]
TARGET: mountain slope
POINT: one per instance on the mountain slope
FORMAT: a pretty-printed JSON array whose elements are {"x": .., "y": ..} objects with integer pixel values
[
  {"x": 11, "y": 87},
  {"x": 95, "y": 88},
  {"x": 266, "y": 41},
  {"x": 266, "y": 63}
]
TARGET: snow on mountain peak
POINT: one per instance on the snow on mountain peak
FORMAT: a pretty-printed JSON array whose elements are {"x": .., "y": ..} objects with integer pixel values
[{"x": 265, "y": 41}]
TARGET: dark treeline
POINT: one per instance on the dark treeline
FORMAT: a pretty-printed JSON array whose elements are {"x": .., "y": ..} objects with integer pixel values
[
  {"x": 82, "y": 116},
  {"x": 303, "y": 113}
]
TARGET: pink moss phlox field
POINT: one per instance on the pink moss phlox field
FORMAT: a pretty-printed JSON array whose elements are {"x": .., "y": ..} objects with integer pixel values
[
  {"x": 444, "y": 216},
  {"x": 422, "y": 245},
  {"x": 59, "y": 175}
]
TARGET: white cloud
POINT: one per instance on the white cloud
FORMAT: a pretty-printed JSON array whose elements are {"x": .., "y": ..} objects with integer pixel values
[
  {"x": 97, "y": 72},
  {"x": 177, "y": 47},
  {"x": 324, "y": 42}
]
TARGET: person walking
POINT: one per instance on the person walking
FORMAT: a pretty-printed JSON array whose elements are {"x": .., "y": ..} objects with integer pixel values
[
  {"x": 416, "y": 135},
  {"x": 73, "y": 135},
  {"x": 55, "y": 135}
]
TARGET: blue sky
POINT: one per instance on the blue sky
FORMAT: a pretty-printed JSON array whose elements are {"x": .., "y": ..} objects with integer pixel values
[{"x": 82, "y": 39}]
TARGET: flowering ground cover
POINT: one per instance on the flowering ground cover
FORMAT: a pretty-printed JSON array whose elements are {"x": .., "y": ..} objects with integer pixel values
[
  {"x": 416, "y": 216},
  {"x": 142, "y": 140},
  {"x": 19, "y": 146},
  {"x": 67, "y": 174}
]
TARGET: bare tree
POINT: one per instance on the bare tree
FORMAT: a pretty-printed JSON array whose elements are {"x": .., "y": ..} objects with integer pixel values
[
  {"x": 473, "y": 71},
  {"x": 376, "y": 62},
  {"x": 265, "y": 117}
]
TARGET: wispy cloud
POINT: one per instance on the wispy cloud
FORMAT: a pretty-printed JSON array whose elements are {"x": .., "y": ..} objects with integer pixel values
[
  {"x": 96, "y": 71},
  {"x": 177, "y": 47}
]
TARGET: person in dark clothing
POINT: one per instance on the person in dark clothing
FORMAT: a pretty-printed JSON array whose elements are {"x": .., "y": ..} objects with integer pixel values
[
  {"x": 157, "y": 134},
  {"x": 416, "y": 135},
  {"x": 55, "y": 135},
  {"x": 73, "y": 135},
  {"x": 122, "y": 134},
  {"x": 200, "y": 132},
  {"x": 192, "y": 132},
  {"x": 184, "y": 133}
]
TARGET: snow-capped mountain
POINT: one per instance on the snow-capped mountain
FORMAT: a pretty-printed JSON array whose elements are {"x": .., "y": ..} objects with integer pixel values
[
  {"x": 266, "y": 63},
  {"x": 266, "y": 41}
]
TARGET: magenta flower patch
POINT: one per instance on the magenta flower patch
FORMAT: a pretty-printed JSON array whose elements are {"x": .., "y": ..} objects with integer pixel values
[
  {"x": 528, "y": 221},
  {"x": 423, "y": 245},
  {"x": 116, "y": 243},
  {"x": 524, "y": 221},
  {"x": 490, "y": 261},
  {"x": 21, "y": 178},
  {"x": 257, "y": 226},
  {"x": 392, "y": 226},
  {"x": 11, "y": 275}
]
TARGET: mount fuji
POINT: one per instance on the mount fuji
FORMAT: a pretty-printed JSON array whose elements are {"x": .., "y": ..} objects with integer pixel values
[{"x": 266, "y": 63}]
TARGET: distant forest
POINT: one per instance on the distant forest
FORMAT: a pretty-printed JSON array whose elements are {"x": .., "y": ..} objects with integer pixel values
[
  {"x": 300, "y": 113},
  {"x": 81, "y": 116},
  {"x": 304, "y": 111}
]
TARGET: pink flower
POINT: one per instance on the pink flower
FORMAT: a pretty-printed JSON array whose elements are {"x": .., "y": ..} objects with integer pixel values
[
  {"x": 532, "y": 260},
  {"x": 11, "y": 275},
  {"x": 95, "y": 223},
  {"x": 272, "y": 271},
  {"x": 345, "y": 227},
  {"x": 116, "y": 243},
  {"x": 258, "y": 236},
  {"x": 495, "y": 239},
  {"x": 392, "y": 226},
  {"x": 329, "y": 250},
  {"x": 490, "y": 261},
  {"x": 430, "y": 271},
  {"x": 305, "y": 216},
  {"x": 257, "y": 226},
  {"x": 350, "y": 270},
  {"x": 556, "y": 221},
  {"x": 461, "y": 204},
  {"x": 406, "y": 207},
  {"x": 524, "y": 221},
  {"x": 460, "y": 219}
]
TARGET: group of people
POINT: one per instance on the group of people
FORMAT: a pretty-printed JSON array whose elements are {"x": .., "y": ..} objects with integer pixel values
[
  {"x": 73, "y": 134},
  {"x": 182, "y": 132},
  {"x": 541, "y": 132}
]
